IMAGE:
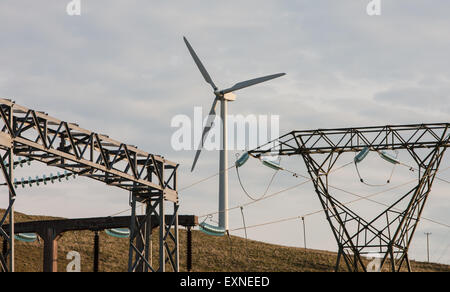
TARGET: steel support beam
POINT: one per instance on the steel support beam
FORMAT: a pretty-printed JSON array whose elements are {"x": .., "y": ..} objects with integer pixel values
[
  {"x": 50, "y": 239},
  {"x": 96, "y": 252},
  {"x": 91, "y": 224},
  {"x": 51, "y": 231},
  {"x": 43, "y": 138},
  {"x": 189, "y": 249},
  {"x": 7, "y": 258},
  {"x": 140, "y": 255}
]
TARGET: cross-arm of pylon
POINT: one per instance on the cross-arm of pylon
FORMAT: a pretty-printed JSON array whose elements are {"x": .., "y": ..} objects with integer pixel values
[
  {"x": 355, "y": 139},
  {"x": 42, "y": 138}
]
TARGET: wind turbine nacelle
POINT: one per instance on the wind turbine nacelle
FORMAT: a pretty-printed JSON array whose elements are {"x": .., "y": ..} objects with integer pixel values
[{"x": 230, "y": 96}]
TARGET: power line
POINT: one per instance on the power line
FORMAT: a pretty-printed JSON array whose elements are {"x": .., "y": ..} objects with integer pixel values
[
  {"x": 262, "y": 199},
  {"x": 270, "y": 196},
  {"x": 205, "y": 179},
  {"x": 347, "y": 203},
  {"x": 182, "y": 189},
  {"x": 319, "y": 211},
  {"x": 247, "y": 193},
  {"x": 279, "y": 192},
  {"x": 295, "y": 174}
]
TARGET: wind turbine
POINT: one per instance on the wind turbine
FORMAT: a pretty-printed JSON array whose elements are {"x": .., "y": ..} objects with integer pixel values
[{"x": 222, "y": 96}]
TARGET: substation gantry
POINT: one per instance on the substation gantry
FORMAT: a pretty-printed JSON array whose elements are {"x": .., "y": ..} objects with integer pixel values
[
  {"x": 51, "y": 230},
  {"x": 390, "y": 233},
  {"x": 150, "y": 179}
]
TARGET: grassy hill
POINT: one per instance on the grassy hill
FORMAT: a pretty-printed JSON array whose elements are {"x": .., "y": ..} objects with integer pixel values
[{"x": 210, "y": 254}]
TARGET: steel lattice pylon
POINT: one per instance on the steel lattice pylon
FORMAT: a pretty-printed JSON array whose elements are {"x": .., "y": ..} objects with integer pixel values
[
  {"x": 150, "y": 178},
  {"x": 391, "y": 232}
]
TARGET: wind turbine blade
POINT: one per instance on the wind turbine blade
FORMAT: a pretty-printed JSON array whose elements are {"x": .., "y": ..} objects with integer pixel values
[
  {"x": 248, "y": 83},
  {"x": 197, "y": 155},
  {"x": 208, "y": 127},
  {"x": 199, "y": 64}
]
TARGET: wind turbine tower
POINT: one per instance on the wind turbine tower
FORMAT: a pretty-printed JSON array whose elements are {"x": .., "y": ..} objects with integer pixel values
[{"x": 222, "y": 96}]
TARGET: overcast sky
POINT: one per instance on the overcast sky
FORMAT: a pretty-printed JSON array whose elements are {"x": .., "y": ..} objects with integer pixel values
[{"x": 121, "y": 68}]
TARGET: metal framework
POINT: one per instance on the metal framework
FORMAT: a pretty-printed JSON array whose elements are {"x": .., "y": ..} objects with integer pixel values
[
  {"x": 140, "y": 259},
  {"x": 150, "y": 178},
  {"x": 391, "y": 232},
  {"x": 50, "y": 231}
]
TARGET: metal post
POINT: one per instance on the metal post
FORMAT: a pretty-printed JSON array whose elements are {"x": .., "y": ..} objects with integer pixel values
[
  {"x": 133, "y": 231},
  {"x": 428, "y": 245},
  {"x": 338, "y": 261},
  {"x": 139, "y": 237},
  {"x": 189, "y": 250},
  {"x": 162, "y": 224},
  {"x": 243, "y": 222},
  {"x": 304, "y": 231},
  {"x": 11, "y": 199},
  {"x": 148, "y": 236},
  {"x": 9, "y": 213},
  {"x": 176, "y": 239},
  {"x": 162, "y": 228},
  {"x": 176, "y": 207},
  {"x": 140, "y": 246},
  {"x": 149, "y": 211},
  {"x": 96, "y": 251},
  {"x": 50, "y": 250},
  {"x": 223, "y": 182}
]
